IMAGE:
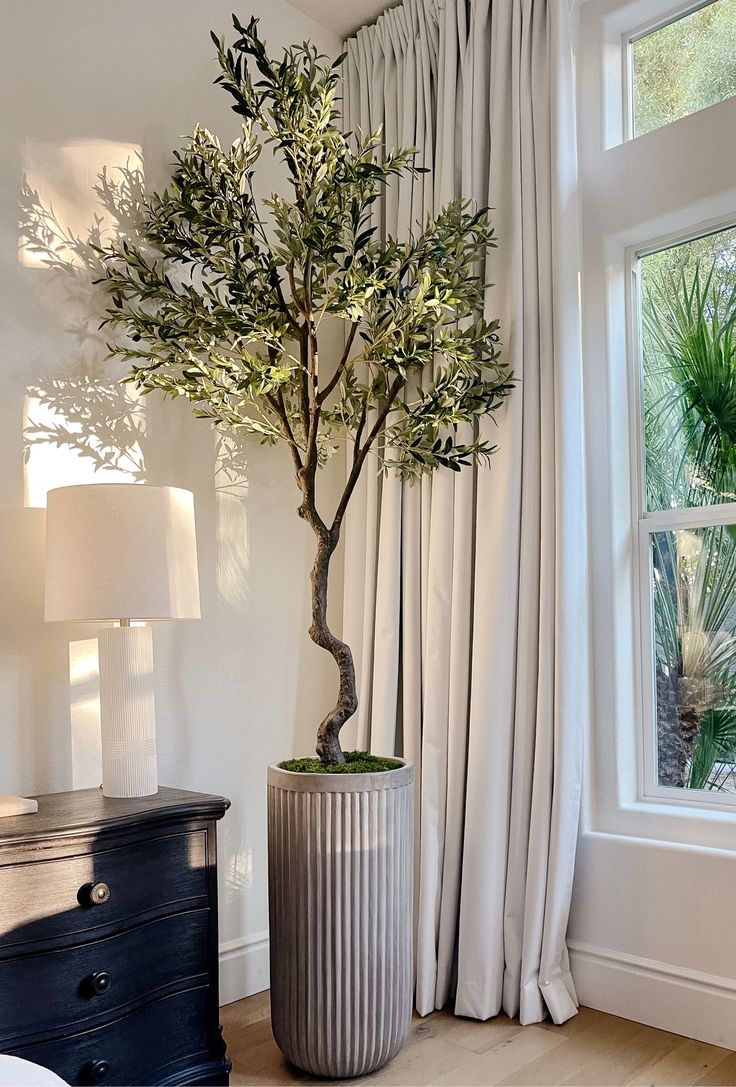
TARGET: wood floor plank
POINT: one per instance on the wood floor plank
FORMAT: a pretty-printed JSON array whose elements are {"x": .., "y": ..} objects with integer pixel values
[
  {"x": 592, "y": 1049},
  {"x": 471, "y": 1034},
  {"x": 721, "y": 1075},
  {"x": 427, "y": 1055},
  {"x": 494, "y": 1066},
  {"x": 681, "y": 1067},
  {"x": 619, "y": 1052},
  {"x": 244, "y": 1012},
  {"x": 585, "y": 1019},
  {"x": 257, "y": 1059},
  {"x": 582, "y": 1034}
]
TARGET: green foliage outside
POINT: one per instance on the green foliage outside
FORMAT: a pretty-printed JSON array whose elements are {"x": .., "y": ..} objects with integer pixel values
[
  {"x": 713, "y": 250},
  {"x": 685, "y": 66},
  {"x": 688, "y": 312}
]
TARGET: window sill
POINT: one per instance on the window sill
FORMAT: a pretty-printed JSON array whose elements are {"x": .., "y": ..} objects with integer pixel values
[{"x": 669, "y": 822}]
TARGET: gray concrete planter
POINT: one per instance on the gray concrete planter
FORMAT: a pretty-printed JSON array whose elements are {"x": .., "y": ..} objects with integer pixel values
[{"x": 340, "y": 850}]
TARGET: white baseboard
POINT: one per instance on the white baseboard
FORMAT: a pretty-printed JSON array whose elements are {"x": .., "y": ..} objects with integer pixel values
[
  {"x": 673, "y": 998},
  {"x": 244, "y": 967}
]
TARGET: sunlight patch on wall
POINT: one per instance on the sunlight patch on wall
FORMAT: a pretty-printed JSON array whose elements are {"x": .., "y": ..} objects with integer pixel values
[
  {"x": 76, "y": 431},
  {"x": 84, "y": 705},
  {"x": 233, "y": 554},
  {"x": 60, "y": 210},
  {"x": 79, "y": 424}
]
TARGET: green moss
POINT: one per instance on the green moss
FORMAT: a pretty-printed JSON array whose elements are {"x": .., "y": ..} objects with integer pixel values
[{"x": 356, "y": 762}]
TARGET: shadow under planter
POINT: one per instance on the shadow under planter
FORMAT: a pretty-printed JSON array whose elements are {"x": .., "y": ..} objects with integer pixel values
[{"x": 341, "y": 900}]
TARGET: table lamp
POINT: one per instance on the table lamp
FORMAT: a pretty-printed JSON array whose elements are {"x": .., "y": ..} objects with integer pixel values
[{"x": 122, "y": 552}]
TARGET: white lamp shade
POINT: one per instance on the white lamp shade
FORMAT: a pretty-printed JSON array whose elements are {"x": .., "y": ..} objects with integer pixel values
[{"x": 120, "y": 551}]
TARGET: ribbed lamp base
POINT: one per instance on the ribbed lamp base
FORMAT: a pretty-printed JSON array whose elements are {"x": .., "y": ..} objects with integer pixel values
[
  {"x": 127, "y": 713},
  {"x": 340, "y": 897}
]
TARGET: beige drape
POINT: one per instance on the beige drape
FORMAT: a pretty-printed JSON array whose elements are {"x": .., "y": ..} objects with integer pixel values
[{"x": 465, "y": 595}]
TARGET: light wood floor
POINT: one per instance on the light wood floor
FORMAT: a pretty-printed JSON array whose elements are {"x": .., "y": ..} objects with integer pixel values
[{"x": 593, "y": 1050}]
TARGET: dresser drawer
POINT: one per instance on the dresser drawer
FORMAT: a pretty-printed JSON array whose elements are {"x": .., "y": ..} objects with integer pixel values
[
  {"x": 44, "y": 992},
  {"x": 43, "y": 900},
  {"x": 134, "y": 1050}
]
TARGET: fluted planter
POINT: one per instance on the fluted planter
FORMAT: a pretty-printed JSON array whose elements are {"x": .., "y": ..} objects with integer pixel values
[{"x": 340, "y": 898}]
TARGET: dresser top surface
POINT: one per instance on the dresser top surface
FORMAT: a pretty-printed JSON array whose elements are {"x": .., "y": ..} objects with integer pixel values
[{"x": 81, "y": 809}]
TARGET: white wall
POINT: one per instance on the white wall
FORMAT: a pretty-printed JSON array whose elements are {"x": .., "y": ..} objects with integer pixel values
[
  {"x": 81, "y": 82},
  {"x": 651, "y": 934}
]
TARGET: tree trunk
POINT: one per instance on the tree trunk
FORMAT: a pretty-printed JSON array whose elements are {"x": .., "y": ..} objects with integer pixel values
[
  {"x": 671, "y": 762},
  {"x": 328, "y": 734}
]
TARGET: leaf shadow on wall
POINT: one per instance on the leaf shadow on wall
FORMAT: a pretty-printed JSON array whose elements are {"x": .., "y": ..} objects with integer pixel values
[
  {"x": 94, "y": 425},
  {"x": 84, "y": 406}
]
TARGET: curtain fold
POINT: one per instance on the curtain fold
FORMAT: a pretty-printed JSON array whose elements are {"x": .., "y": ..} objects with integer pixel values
[{"x": 466, "y": 595}]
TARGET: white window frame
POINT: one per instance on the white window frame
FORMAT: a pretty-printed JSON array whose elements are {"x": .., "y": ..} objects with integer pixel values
[
  {"x": 637, "y": 196},
  {"x": 652, "y": 521}
]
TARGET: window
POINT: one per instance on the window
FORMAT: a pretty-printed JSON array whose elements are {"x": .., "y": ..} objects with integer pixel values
[
  {"x": 659, "y": 294},
  {"x": 684, "y": 66},
  {"x": 687, "y": 305}
]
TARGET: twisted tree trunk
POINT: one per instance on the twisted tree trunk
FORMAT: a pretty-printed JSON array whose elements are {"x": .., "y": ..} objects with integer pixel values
[{"x": 328, "y": 734}]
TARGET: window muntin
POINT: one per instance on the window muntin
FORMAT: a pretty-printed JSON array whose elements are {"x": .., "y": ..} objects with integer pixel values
[{"x": 683, "y": 67}]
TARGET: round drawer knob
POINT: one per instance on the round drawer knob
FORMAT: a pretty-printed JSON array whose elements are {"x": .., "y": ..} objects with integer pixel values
[
  {"x": 99, "y": 894},
  {"x": 94, "y": 894},
  {"x": 99, "y": 1071},
  {"x": 98, "y": 983}
]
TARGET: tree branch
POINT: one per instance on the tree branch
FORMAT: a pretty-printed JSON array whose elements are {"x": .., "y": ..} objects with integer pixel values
[
  {"x": 360, "y": 428},
  {"x": 273, "y": 275},
  {"x": 358, "y": 461},
  {"x": 292, "y": 286},
  {"x": 341, "y": 365},
  {"x": 311, "y": 457},
  {"x": 279, "y": 406},
  {"x": 304, "y": 380}
]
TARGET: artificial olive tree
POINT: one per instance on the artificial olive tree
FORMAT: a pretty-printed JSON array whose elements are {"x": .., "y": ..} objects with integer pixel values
[{"x": 223, "y": 300}]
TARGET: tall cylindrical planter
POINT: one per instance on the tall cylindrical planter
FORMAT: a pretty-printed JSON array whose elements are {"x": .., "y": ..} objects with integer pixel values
[{"x": 340, "y": 897}]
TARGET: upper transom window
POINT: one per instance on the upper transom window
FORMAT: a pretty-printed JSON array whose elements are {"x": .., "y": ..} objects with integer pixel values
[{"x": 684, "y": 66}]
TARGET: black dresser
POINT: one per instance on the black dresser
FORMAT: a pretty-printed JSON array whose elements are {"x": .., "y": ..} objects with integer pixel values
[{"x": 108, "y": 938}]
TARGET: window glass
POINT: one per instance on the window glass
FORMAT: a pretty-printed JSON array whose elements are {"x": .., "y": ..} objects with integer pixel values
[
  {"x": 688, "y": 349},
  {"x": 694, "y": 612},
  {"x": 684, "y": 66}
]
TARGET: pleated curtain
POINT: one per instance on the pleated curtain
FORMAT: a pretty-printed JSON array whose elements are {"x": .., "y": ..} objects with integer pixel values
[{"x": 465, "y": 594}]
